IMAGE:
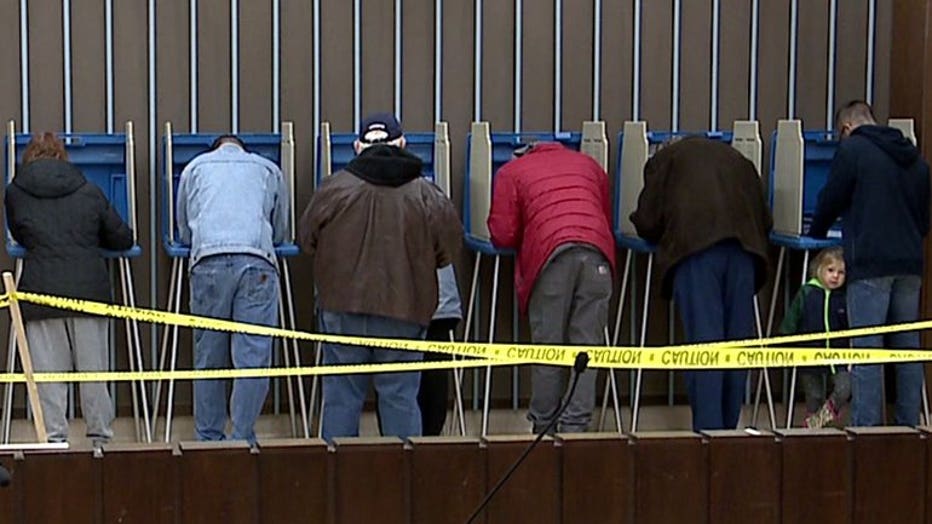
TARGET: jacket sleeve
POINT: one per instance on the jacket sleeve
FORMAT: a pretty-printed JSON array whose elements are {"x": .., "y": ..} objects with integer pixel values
[
  {"x": 12, "y": 221},
  {"x": 835, "y": 197},
  {"x": 115, "y": 234},
  {"x": 648, "y": 218},
  {"x": 181, "y": 205},
  {"x": 446, "y": 227},
  {"x": 505, "y": 221},
  {"x": 280, "y": 213},
  {"x": 316, "y": 215},
  {"x": 794, "y": 315}
]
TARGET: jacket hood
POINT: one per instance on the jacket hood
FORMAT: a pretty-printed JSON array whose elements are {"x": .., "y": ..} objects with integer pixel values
[
  {"x": 386, "y": 165},
  {"x": 891, "y": 141},
  {"x": 49, "y": 178}
]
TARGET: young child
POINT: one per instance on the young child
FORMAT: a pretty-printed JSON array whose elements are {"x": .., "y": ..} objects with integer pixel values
[{"x": 819, "y": 306}]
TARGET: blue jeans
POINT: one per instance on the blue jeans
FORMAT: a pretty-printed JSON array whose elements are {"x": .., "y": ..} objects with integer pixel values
[
  {"x": 714, "y": 291},
  {"x": 243, "y": 288},
  {"x": 878, "y": 301},
  {"x": 344, "y": 394}
]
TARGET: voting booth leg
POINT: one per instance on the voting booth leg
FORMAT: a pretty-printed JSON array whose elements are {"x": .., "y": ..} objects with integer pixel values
[
  {"x": 11, "y": 368},
  {"x": 134, "y": 349},
  {"x": 295, "y": 349},
  {"x": 174, "y": 305},
  {"x": 459, "y": 416},
  {"x": 791, "y": 398},
  {"x": 611, "y": 383},
  {"x": 317, "y": 385},
  {"x": 470, "y": 314},
  {"x": 636, "y": 401},
  {"x": 170, "y": 347},
  {"x": 611, "y": 386},
  {"x": 925, "y": 400},
  {"x": 763, "y": 378},
  {"x": 488, "y": 370}
]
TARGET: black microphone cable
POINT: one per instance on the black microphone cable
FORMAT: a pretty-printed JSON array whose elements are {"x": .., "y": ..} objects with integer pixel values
[{"x": 582, "y": 360}]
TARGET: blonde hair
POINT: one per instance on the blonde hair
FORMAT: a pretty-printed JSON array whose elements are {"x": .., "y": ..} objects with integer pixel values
[{"x": 825, "y": 257}]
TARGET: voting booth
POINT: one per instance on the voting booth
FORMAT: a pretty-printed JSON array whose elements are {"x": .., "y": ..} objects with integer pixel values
[
  {"x": 178, "y": 149},
  {"x": 334, "y": 152},
  {"x": 635, "y": 145},
  {"x": 486, "y": 153},
  {"x": 800, "y": 163},
  {"x": 108, "y": 161}
]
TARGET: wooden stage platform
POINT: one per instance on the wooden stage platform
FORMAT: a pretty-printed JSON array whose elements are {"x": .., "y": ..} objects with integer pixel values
[{"x": 863, "y": 475}]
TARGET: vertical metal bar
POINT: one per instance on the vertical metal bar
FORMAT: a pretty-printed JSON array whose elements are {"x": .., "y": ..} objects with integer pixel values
[
  {"x": 66, "y": 51},
  {"x": 276, "y": 64},
  {"x": 597, "y": 60},
  {"x": 752, "y": 84},
  {"x": 153, "y": 235},
  {"x": 398, "y": 43},
  {"x": 791, "y": 78},
  {"x": 477, "y": 63},
  {"x": 193, "y": 66},
  {"x": 557, "y": 65},
  {"x": 315, "y": 37},
  {"x": 108, "y": 51},
  {"x": 830, "y": 81},
  {"x": 636, "y": 67},
  {"x": 871, "y": 49},
  {"x": 438, "y": 60},
  {"x": 713, "y": 88},
  {"x": 675, "y": 102},
  {"x": 357, "y": 63},
  {"x": 519, "y": 63},
  {"x": 234, "y": 66},
  {"x": 24, "y": 62}
]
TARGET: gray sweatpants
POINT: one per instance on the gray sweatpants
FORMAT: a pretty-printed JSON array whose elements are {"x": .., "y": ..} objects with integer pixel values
[
  {"x": 569, "y": 305},
  {"x": 66, "y": 344}
]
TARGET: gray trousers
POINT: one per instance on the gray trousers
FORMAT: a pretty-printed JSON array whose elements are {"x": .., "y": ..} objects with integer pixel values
[
  {"x": 811, "y": 382},
  {"x": 66, "y": 344},
  {"x": 569, "y": 305}
]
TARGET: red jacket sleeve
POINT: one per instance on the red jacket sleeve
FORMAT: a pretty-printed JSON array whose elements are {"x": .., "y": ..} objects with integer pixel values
[{"x": 505, "y": 224}]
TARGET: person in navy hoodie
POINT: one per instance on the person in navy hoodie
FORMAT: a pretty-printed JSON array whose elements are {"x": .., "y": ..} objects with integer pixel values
[{"x": 879, "y": 186}]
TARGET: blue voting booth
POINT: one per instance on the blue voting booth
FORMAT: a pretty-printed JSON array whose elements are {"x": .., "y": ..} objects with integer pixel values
[
  {"x": 635, "y": 145},
  {"x": 335, "y": 151},
  {"x": 177, "y": 151},
  {"x": 486, "y": 153},
  {"x": 107, "y": 160}
]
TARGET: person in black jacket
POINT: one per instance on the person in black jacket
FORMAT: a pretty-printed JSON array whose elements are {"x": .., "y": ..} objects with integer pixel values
[
  {"x": 879, "y": 186},
  {"x": 819, "y": 307},
  {"x": 63, "y": 221}
]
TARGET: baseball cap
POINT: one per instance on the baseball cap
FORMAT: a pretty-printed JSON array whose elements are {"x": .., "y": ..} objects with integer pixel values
[{"x": 379, "y": 128}]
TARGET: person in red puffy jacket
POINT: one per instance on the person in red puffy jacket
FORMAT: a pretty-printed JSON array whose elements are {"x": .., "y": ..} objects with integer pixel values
[{"x": 551, "y": 204}]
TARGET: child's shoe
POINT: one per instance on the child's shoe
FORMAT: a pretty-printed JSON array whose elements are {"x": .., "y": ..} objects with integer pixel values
[{"x": 826, "y": 414}]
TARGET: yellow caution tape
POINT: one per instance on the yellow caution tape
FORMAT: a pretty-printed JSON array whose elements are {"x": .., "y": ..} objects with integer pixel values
[{"x": 748, "y": 353}]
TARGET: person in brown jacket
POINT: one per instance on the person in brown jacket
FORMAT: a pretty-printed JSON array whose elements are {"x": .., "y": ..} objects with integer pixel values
[
  {"x": 378, "y": 231},
  {"x": 704, "y": 207}
]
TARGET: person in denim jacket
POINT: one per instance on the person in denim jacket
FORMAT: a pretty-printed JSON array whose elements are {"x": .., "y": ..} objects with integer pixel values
[{"x": 232, "y": 210}]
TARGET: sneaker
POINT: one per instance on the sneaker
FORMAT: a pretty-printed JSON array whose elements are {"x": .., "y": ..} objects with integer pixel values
[{"x": 823, "y": 417}]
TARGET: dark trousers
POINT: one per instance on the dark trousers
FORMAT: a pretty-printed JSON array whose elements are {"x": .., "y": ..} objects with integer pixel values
[
  {"x": 435, "y": 384},
  {"x": 714, "y": 291}
]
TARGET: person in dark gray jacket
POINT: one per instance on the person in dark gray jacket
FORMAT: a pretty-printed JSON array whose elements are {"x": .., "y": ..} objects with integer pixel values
[{"x": 64, "y": 221}]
